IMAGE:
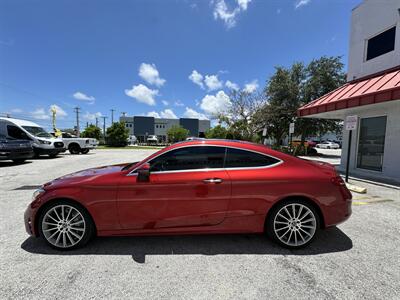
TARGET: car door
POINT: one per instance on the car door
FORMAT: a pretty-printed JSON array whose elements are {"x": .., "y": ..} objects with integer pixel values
[
  {"x": 188, "y": 187},
  {"x": 255, "y": 181}
]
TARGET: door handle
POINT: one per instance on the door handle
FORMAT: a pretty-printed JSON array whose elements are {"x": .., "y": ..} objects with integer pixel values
[{"x": 212, "y": 180}]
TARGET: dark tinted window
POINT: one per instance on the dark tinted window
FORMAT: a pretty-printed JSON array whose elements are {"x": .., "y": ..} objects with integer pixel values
[
  {"x": 371, "y": 143},
  {"x": 381, "y": 44},
  {"x": 189, "y": 158},
  {"x": 16, "y": 133},
  {"x": 236, "y": 158}
]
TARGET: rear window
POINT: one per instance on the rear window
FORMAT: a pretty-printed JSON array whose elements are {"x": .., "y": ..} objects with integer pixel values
[{"x": 236, "y": 158}]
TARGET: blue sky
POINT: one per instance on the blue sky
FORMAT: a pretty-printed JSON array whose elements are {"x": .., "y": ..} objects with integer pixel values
[{"x": 159, "y": 57}]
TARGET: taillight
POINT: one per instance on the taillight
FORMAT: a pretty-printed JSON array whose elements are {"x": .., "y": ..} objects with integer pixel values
[{"x": 337, "y": 180}]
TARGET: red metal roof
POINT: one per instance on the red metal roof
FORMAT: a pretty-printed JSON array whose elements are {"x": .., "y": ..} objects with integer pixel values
[{"x": 376, "y": 89}]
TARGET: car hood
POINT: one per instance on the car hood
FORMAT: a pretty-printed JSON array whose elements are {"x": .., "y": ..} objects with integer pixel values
[{"x": 84, "y": 176}]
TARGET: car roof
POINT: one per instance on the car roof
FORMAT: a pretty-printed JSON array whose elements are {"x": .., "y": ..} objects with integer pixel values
[{"x": 20, "y": 122}]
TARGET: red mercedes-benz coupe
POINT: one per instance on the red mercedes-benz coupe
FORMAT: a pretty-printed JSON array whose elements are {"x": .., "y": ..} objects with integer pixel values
[{"x": 193, "y": 187}]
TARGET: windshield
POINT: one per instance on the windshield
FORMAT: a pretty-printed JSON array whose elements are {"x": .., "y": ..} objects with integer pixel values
[{"x": 37, "y": 131}]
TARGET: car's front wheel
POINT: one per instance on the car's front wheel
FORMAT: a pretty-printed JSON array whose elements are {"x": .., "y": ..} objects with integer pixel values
[
  {"x": 85, "y": 151},
  {"x": 65, "y": 225},
  {"x": 293, "y": 223}
]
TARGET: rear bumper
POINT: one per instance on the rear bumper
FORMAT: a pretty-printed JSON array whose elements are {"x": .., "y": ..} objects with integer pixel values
[{"x": 338, "y": 213}]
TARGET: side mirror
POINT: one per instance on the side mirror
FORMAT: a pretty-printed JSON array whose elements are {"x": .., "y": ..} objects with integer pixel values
[{"x": 143, "y": 173}]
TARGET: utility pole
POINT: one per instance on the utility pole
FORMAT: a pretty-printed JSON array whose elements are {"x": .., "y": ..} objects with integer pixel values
[
  {"x": 112, "y": 116},
  {"x": 97, "y": 122},
  {"x": 77, "y": 109},
  {"x": 104, "y": 127}
]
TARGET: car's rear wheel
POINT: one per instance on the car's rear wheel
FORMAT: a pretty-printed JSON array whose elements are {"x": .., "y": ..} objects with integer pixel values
[
  {"x": 19, "y": 160},
  {"x": 74, "y": 149},
  {"x": 293, "y": 223},
  {"x": 84, "y": 151},
  {"x": 65, "y": 225}
]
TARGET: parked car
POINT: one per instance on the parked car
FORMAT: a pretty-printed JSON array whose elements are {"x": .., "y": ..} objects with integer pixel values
[
  {"x": 152, "y": 139},
  {"x": 43, "y": 143},
  {"x": 16, "y": 150},
  {"x": 194, "y": 187},
  {"x": 296, "y": 143},
  {"x": 328, "y": 145},
  {"x": 77, "y": 145}
]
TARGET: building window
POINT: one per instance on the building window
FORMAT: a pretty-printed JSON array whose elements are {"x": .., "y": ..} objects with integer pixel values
[
  {"x": 381, "y": 44},
  {"x": 371, "y": 143}
]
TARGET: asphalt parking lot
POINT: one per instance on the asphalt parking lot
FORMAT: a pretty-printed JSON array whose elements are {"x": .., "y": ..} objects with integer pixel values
[{"x": 359, "y": 259}]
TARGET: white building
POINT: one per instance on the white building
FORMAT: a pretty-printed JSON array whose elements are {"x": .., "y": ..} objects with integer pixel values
[{"x": 372, "y": 93}]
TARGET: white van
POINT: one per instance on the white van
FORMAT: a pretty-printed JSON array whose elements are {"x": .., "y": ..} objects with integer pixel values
[{"x": 43, "y": 143}]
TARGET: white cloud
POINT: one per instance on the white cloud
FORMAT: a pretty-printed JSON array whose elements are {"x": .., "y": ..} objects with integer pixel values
[
  {"x": 40, "y": 114},
  {"x": 197, "y": 78},
  {"x": 301, "y": 3},
  {"x": 16, "y": 110},
  {"x": 168, "y": 114},
  {"x": 221, "y": 11},
  {"x": 231, "y": 85},
  {"x": 83, "y": 97},
  {"x": 212, "y": 82},
  {"x": 214, "y": 104},
  {"x": 150, "y": 74},
  {"x": 60, "y": 113},
  {"x": 243, "y": 4},
  {"x": 153, "y": 114},
  {"x": 142, "y": 94},
  {"x": 192, "y": 114},
  {"x": 179, "y": 103},
  {"x": 250, "y": 87},
  {"x": 165, "y": 102},
  {"x": 92, "y": 116}
]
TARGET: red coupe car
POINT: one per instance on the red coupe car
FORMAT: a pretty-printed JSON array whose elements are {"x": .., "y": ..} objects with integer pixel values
[{"x": 193, "y": 187}]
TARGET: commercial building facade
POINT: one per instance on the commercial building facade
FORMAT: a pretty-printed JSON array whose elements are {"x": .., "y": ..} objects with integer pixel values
[
  {"x": 372, "y": 93},
  {"x": 142, "y": 126}
]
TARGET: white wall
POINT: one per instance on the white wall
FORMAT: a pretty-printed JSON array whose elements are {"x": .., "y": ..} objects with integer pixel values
[
  {"x": 368, "y": 19},
  {"x": 391, "y": 158}
]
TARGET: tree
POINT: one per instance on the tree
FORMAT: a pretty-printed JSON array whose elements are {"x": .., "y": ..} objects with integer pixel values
[
  {"x": 323, "y": 75},
  {"x": 217, "y": 132},
  {"x": 177, "y": 133},
  {"x": 92, "y": 131},
  {"x": 290, "y": 88},
  {"x": 243, "y": 118},
  {"x": 283, "y": 90},
  {"x": 117, "y": 135}
]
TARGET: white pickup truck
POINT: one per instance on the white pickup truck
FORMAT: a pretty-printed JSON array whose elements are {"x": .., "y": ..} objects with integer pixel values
[{"x": 77, "y": 145}]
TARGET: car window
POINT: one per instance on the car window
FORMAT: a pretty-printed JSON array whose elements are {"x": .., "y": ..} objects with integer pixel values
[
  {"x": 237, "y": 158},
  {"x": 16, "y": 133},
  {"x": 189, "y": 158}
]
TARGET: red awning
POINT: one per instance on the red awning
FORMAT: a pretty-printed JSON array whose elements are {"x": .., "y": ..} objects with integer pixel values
[{"x": 376, "y": 89}]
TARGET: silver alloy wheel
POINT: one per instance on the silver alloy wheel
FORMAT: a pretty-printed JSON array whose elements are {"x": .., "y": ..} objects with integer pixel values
[
  {"x": 295, "y": 224},
  {"x": 63, "y": 226}
]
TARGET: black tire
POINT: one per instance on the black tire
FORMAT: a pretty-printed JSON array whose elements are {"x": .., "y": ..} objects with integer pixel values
[
  {"x": 328, "y": 147},
  {"x": 84, "y": 151},
  {"x": 53, "y": 155},
  {"x": 19, "y": 160},
  {"x": 74, "y": 149},
  {"x": 89, "y": 227},
  {"x": 271, "y": 228}
]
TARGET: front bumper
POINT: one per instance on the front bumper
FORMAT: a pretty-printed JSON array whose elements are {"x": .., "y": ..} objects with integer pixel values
[
  {"x": 45, "y": 151},
  {"x": 11, "y": 155},
  {"x": 29, "y": 221}
]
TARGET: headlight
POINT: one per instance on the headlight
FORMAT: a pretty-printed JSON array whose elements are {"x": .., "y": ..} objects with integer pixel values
[
  {"x": 37, "y": 193},
  {"x": 44, "y": 142}
]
